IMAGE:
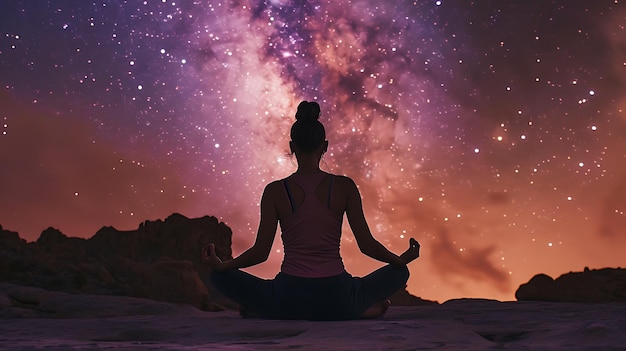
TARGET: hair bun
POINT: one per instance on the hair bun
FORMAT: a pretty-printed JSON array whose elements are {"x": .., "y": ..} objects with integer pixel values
[{"x": 308, "y": 111}]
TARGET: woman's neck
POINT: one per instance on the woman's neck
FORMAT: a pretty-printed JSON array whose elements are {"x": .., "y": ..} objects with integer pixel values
[
  {"x": 302, "y": 170},
  {"x": 308, "y": 164}
]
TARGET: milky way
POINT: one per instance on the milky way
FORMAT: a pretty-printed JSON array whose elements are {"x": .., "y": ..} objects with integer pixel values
[{"x": 494, "y": 132}]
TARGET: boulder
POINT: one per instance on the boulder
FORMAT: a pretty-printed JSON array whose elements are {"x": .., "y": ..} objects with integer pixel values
[
  {"x": 601, "y": 285},
  {"x": 172, "y": 280},
  {"x": 404, "y": 298}
]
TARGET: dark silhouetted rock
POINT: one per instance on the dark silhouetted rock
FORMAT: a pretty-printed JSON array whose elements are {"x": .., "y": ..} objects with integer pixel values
[
  {"x": 601, "y": 285},
  {"x": 173, "y": 281},
  {"x": 51, "y": 238},
  {"x": 404, "y": 298},
  {"x": 160, "y": 260},
  {"x": 10, "y": 241}
]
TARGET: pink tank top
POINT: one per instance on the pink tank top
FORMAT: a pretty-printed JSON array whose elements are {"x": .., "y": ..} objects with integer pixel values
[{"x": 312, "y": 234}]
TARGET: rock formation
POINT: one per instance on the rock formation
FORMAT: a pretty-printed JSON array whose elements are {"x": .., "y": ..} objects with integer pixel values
[
  {"x": 601, "y": 285},
  {"x": 160, "y": 260}
]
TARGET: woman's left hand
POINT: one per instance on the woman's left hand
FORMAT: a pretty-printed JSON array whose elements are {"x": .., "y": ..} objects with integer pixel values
[
  {"x": 412, "y": 252},
  {"x": 210, "y": 258}
]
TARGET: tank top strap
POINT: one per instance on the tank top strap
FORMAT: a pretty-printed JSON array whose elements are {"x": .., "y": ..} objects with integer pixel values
[
  {"x": 293, "y": 206},
  {"x": 308, "y": 186}
]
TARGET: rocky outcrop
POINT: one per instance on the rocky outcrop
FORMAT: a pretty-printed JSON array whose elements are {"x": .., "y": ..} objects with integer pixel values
[
  {"x": 601, "y": 285},
  {"x": 404, "y": 298},
  {"x": 160, "y": 260}
]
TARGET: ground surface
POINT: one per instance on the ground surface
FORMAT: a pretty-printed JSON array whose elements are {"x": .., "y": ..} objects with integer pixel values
[{"x": 72, "y": 322}]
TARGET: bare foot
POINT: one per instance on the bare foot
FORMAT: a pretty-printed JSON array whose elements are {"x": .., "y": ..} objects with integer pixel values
[{"x": 376, "y": 310}]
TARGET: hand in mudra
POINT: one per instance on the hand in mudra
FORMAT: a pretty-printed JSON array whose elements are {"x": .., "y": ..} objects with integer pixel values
[
  {"x": 412, "y": 252},
  {"x": 210, "y": 258}
]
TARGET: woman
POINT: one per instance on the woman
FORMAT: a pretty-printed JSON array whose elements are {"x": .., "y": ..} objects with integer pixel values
[{"x": 309, "y": 205}]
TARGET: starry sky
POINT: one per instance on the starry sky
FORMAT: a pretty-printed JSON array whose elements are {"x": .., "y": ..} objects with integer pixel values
[{"x": 494, "y": 132}]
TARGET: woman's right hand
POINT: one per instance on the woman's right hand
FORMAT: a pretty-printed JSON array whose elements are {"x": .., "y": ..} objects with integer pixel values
[
  {"x": 412, "y": 252},
  {"x": 210, "y": 258}
]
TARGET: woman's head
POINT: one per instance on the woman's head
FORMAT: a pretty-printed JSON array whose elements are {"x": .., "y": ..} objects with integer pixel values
[{"x": 307, "y": 133}]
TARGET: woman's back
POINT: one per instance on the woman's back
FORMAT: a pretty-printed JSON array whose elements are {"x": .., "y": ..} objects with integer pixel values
[
  {"x": 311, "y": 231},
  {"x": 338, "y": 196}
]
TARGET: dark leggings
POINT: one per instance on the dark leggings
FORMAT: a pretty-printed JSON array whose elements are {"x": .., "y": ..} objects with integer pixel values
[{"x": 339, "y": 297}]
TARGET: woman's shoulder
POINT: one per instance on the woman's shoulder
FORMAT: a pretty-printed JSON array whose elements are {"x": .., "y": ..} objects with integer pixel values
[
  {"x": 337, "y": 180},
  {"x": 341, "y": 177},
  {"x": 274, "y": 185},
  {"x": 342, "y": 180}
]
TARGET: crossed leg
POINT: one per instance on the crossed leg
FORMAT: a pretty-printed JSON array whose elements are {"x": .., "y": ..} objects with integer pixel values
[
  {"x": 374, "y": 290},
  {"x": 253, "y": 294}
]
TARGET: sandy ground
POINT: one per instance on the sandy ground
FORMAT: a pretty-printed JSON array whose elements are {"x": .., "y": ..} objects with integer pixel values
[{"x": 56, "y": 321}]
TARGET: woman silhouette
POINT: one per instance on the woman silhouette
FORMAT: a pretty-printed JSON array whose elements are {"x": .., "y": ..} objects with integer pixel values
[{"x": 309, "y": 205}]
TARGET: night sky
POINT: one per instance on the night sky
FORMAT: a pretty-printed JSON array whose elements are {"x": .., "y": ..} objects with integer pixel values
[{"x": 494, "y": 132}]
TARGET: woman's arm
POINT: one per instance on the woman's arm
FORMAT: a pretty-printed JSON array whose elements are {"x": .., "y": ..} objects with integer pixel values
[
  {"x": 367, "y": 243},
  {"x": 259, "y": 252}
]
